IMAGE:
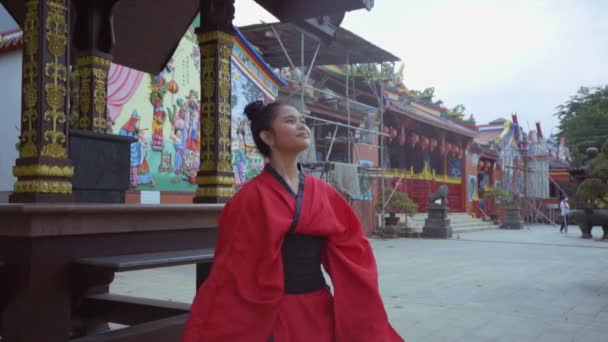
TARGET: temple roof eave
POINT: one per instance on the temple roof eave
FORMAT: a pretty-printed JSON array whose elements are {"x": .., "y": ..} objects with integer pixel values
[{"x": 447, "y": 125}]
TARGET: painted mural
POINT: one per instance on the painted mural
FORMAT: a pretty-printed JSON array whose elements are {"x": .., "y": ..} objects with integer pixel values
[{"x": 163, "y": 113}]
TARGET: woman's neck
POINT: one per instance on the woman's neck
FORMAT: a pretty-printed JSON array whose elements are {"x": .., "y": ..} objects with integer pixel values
[{"x": 286, "y": 167}]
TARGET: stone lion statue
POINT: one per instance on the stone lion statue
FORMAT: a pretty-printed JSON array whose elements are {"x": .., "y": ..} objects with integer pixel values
[{"x": 441, "y": 194}]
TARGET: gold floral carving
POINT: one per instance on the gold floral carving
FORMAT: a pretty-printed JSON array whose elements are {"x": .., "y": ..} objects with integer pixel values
[
  {"x": 93, "y": 71},
  {"x": 43, "y": 186},
  {"x": 215, "y": 192},
  {"x": 216, "y": 36},
  {"x": 31, "y": 25},
  {"x": 43, "y": 171},
  {"x": 93, "y": 60},
  {"x": 56, "y": 89},
  {"x": 225, "y": 52},
  {"x": 208, "y": 86},
  {"x": 85, "y": 96},
  {"x": 99, "y": 94},
  {"x": 216, "y": 51},
  {"x": 215, "y": 180},
  {"x": 84, "y": 122}
]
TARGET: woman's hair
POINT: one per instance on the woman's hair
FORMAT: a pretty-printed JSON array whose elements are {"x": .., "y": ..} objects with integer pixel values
[{"x": 261, "y": 117}]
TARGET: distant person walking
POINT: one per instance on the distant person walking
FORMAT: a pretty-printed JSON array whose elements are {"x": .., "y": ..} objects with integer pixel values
[{"x": 564, "y": 207}]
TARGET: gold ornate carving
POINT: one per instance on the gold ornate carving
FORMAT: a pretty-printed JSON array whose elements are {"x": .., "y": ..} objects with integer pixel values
[
  {"x": 99, "y": 94},
  {"x": 43, "y": 171},
  {"x": 56, "y": 70},
  {"x": 215, "y": 192},
  {"x": 426, "y": 175},
  {"x": 84, "y": 122},
  {"x": 208, "y": 113},
  {"x": 31, "y": 26},
  {"x": 99, "y": 125},
  {"x": 43, "y": 186},
  {"x": 216, "y": 51},
  {"x": 93, "y": 60},
  {"x": 215, "y": 180},
  {"x": 225, "y": 52},
  {"x": 93, "y": 71},
  {"x": 215, "y": 36}
]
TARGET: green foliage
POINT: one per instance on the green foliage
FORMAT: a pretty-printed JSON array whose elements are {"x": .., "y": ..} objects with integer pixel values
[
  {"x": 584, "y": 120},
  {"x": 398, "y": 203},
  {"x": 500, "y": 194},
  {"x": 426, "y": 95},
  {"x": 594, "y": 189},
  {"x": 376, "y": 72}
]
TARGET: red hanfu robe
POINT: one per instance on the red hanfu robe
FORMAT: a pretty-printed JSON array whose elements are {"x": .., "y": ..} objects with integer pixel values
[{"x": 243, "y": 298}]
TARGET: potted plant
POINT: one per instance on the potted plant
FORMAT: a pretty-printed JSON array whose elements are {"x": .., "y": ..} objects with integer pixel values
[
  {"x": 509, "y": 202},
  {"x": 593, "y": 192},
  {"x": 396, "y": 202}
]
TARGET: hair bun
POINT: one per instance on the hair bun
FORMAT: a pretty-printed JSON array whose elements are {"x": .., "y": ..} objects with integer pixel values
[{"x": 253, "y": 108}]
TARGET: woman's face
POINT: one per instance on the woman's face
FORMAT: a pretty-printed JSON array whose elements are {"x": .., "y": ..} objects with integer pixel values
[{"x": 289, "y": 133}]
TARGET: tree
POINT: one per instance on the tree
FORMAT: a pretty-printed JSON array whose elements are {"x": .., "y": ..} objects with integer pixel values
[
  {"x": 594, "y": 189},
  {"x": 584, "y": 120}
]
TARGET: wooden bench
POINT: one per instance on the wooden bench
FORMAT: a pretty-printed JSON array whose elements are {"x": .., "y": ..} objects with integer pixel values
[
  {"x": 106, "y": 266},
  {"x": 98, "y": 272},
  {"x": 164, "y": 330}
]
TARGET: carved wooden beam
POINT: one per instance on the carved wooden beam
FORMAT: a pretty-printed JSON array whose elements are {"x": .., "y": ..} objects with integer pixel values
[
  {"x": 93, "y": 44},
  {"x": 43, "y": 169},
  {"x": 215, "y": 177}
]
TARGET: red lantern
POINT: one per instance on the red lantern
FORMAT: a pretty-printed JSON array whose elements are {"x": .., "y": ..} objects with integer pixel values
[
  {"x": 481, "y": 164},
  {"x": 173, "y": 87}
]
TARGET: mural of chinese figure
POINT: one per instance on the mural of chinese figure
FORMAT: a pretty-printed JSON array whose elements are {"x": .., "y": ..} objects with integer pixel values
[
  {"x": 186, "y": 138},
  {"x": 166, "y": 156},
  {"x": 246, "y": 160},
  {"x": 191, "y": 115},
  {"x": 239, "y": 155},
  {"x": 158, "y": 89},
  {"x": 130, "y": 129},
  {"x": 144, "y": 176}
]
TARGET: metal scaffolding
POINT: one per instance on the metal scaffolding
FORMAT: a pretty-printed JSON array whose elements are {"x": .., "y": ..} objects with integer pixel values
[{"x": 299, "y": 78}]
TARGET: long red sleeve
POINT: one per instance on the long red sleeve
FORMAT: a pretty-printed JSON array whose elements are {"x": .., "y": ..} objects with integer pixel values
[
  {"x": 243, "y": 299},
  {"x": 358, "y": 308},
  {"x": 238, "y": 301}
]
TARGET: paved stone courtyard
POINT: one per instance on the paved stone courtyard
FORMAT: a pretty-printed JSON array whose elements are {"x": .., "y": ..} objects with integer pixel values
[{"x": 533, "y": 284}]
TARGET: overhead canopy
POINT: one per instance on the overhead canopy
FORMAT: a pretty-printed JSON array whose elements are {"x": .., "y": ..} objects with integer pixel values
[
  {"x": 346, "y": 43},
  {"x": 297, "y": 10},
  {"x": 148, "y": 31}
]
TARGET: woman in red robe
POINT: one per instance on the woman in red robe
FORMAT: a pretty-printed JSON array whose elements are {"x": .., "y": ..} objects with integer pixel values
[{"x": 266, "y": 282}]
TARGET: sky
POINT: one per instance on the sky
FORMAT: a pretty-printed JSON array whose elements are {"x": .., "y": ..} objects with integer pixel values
[
  {"x": 496, "y": 57},
  {"x": 6, "y": 21}
]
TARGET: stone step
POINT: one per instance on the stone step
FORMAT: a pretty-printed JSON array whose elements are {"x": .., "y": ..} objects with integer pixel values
[
  {"x": 458, "y": 221},
  {"x": 456, "y": 224},
  {"x": 476, "y": 229},
  {"x": 418, "y": 230}
]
